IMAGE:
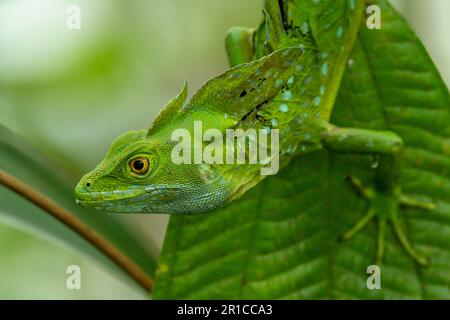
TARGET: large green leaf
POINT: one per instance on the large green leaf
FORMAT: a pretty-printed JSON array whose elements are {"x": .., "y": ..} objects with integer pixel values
[
  {"x": 26, "y": 162},
  {"x": 280, "y": 239}
]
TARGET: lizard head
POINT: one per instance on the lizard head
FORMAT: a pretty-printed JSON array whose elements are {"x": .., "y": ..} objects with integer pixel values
[{"x": 138, "y": 175}]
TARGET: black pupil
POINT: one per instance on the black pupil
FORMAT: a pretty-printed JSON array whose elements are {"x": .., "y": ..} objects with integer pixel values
[{"x": 138, "y": 165}]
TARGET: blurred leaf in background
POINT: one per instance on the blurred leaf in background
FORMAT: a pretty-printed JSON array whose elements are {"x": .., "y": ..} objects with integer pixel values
[
  {"x": 27, "y": 163},
  {"x": 31, "y": 268}
]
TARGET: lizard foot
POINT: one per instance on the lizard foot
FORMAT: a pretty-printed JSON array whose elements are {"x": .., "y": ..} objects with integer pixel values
[{"x": 384, "y": 208}]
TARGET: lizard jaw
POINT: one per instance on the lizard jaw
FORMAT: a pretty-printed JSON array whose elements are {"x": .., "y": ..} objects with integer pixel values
[
  {"x": 133, "y": 200},
  {"x": 110, "y": 200},
  {"x": 100, "y": 196}
]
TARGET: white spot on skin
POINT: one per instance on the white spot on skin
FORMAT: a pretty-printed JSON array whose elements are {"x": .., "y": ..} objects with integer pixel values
[
  {"x": 324, "y": 69},
  {"x": 274, "y": 122},
  {"x": 291, "y": 80},
  {"x": 352, "y": 4},
  {"x": 278, "y": 83},
  {"x": 316, "y": 101},
  {"x": 299, "y": 68},
  {"x": 304, "y": 27},
  {"x": 339, "y": 32},
  {"x": 324, "y": 55},
  {"x": 322, "y": 90},
  {"x": 351, "y": 62},
  {"x": 283, "y": 107},
  {"x": 287, "y": 95},
  {"x": 307, "y": 136}
]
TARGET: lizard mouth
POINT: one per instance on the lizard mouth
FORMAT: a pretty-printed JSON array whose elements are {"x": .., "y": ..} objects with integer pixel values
[
  {"x": 101, "y": 196},
  {"x": 109, "y": 200},
  {"x": 128, "y": 200}
]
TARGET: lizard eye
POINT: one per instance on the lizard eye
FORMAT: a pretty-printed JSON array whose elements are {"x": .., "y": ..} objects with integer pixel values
[{"x": 139, "y": 165}]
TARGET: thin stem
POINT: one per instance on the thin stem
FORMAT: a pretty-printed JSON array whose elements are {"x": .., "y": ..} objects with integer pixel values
[{"x": 71, "y": 221}]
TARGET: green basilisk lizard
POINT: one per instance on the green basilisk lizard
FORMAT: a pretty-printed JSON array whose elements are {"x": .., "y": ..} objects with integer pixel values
[{"x": 285, "y": 75}]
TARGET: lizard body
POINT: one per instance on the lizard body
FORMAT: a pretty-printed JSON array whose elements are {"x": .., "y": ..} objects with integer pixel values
[{"x": 285, "y": 75}]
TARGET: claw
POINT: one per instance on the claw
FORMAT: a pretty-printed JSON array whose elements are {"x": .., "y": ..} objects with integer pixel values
[
  {"x": 405, "y": 243},
  {"x": 369, "y": 194}
]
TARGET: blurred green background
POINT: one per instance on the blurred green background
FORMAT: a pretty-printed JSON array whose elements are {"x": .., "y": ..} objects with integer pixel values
[{"x": 71, "y": 92}]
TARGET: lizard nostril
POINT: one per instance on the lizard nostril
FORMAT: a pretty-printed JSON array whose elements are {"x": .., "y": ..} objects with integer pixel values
[{"x": 88, "y": 184}]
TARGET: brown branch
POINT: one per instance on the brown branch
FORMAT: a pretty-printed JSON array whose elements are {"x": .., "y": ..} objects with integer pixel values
[{"x": 71, "y": 221}]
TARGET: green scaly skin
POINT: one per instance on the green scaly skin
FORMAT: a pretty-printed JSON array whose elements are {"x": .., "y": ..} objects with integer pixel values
[{"x": 285, "y": 76}]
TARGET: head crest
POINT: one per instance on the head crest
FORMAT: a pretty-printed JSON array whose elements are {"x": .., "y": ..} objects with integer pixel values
[{"x": 173, "y": 107}]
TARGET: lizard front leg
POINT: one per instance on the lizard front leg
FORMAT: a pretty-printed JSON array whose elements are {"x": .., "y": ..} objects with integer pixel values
[
  {"x": 239, "y": 45},
  {"x": 386, "y": 195}
]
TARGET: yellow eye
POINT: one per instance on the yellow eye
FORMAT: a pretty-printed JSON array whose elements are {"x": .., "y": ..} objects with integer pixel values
[{"x": 139, "y": 165}]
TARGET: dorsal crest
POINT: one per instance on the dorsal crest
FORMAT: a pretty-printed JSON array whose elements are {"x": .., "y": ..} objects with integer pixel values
[{"x": 173, "y": 107}]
